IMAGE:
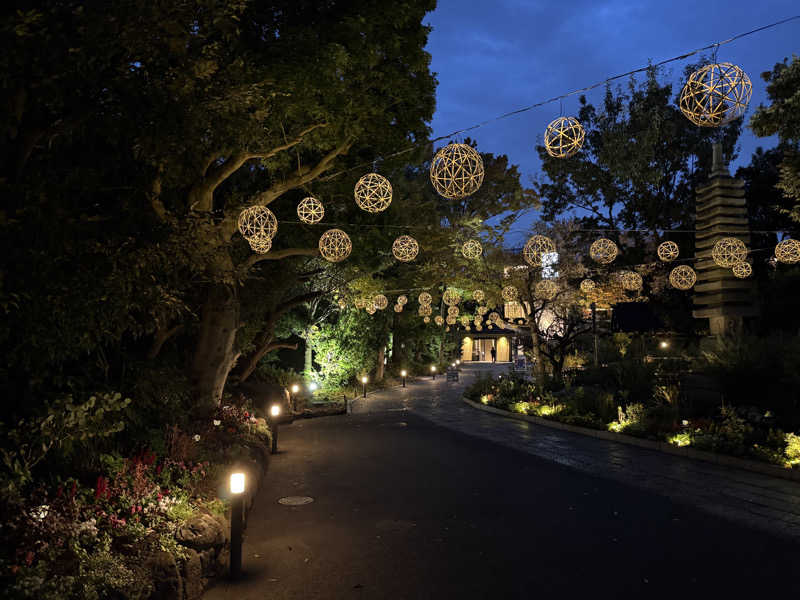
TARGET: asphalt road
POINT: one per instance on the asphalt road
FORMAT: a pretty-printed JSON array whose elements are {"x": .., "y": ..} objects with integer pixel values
[{"x": 408, "y": 509}]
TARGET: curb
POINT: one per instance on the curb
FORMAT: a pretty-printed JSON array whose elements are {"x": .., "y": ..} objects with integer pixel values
[{"x": 664, "y": 447}]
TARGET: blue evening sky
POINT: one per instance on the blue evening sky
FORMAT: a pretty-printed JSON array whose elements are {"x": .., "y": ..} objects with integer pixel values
[{"x": 493, "y": 57}]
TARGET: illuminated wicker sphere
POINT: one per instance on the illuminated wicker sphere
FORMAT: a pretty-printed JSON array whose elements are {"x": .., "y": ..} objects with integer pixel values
[
  {"x": 603, "y": 251},
  {"x": 535, "y": 247},
  {"x": 425, "y": 311},
  {"x": 476, "y": 321},
  {"x": 478, "y": 295},
  {"x": 668, "y": 251},
  {"x": 490, "y": 326},
  {"x": 510, "y": 293},
  {"x": 478, "y": 327},
  {"x": 788, "y": 251},
  {"x": 457, "y": 171},
  {"x": 715, "y": 95},
  {"x": 728, "y": 251},
  {"x": 342, "y": 303},
  {"x": 398, "y": 308},
  {"x": 310, "y": 210},
  {"x": 257, "y": 222},
  {"x": 546, "y": 289},
  {"x": 464, "y": 321},
  {"x": 452, "y": 311},
  {"x": 682, "y": 277},
  {"x": 564, "y": 137},
  {"x": 426, "y": 320},
  {"x": 631, "y": 281},
  {"x": 439, "y": 320},
  {"x": 472, "y": 249},
  {"x": 425, "y": 298},
  {"x": 380, "y": 301},
  {"x": 482, "y": 310},
  {"x": 335, "y": 245},
  {"x": 371, "y": 308},
  {"x": 587, "y": 286},
  {"x": 260, "y": 244},
  {"x": 451, "y": 297},
  {"x": 373, "y": 193},
  {"x": 742, "y": 270},
  {"x": 405, "y": 248},
  {"x": 451, "y": 320},
  {"x": 402, "y": 300},
  {"x": 494, "y": 317},
  {"x": 360, "y": 303}
]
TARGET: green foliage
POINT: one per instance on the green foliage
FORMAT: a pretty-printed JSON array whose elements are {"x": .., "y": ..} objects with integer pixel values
[{"x": 730, "y": 434}]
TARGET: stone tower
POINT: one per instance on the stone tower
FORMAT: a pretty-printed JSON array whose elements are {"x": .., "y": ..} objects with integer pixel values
[{"x": 721, "y": 211}]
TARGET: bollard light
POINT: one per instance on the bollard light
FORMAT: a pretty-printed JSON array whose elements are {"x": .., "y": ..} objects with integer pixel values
[
  {"x": 364, "y": 382},
  {"x": 664, "y": 344},
  {"x": 274, "y": 412},
  {"x": 403, "y": 374},
  {"x": 453, "y": 365},
  {"x": 433, "y": 371},
  {"x": 295, "y": 388},
  {"x": 458, "y": 361},
  {"x": 237, "y": 523}
]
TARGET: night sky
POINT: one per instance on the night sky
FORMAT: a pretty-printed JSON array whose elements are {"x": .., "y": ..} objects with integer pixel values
[{"x": 493, "y": 57}]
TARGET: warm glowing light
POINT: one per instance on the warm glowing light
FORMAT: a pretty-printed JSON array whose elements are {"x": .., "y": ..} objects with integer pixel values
[
  {"x": 295, "y": 388},
  {"x": 433, "y": 369},
  {"x": 313, "y": 386},
  {"x": 458, "y": 361},
  {"x": 452, "y": 364},
  {"x": 275, "y": 410},
  {"x": 363, "y": 380},
  {"x": 664, "y": 344},
  {"x": 403, "y": 373},
  {"x": 237, "y": 483}
]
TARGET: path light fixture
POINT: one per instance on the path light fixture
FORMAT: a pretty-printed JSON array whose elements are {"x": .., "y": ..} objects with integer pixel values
[
  {"x": 274, "y": 413},
  {"x": 664, "y": 344},
  {"x": 295, "y": 390},
  {"x": 237, "y": 523},
  {"x": 364, "y": 383},
  {"x": 458, "y": 361},
  {"x": 403, "y": 374},
  {"x": 313, "y": 386},
  {"x": 433, "y": 371}
]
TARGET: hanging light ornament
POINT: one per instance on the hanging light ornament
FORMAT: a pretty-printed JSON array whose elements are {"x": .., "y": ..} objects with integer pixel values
[
  {"x": 257, "y": 222},
  {"x": 546, "y": 289},
  {"x": 425, "y": 311},
  {"x": 360, "y": 303},
  {"x": 728, "y": 251},
  {"x": 482, "y": 310},
  {"x": 715, "y": 95},
  {"x": 564, "y": 137},
  {"x": 510, "y": 293},
  {"x": 371, "y": 308},
  {"x": 457, "y": 171},
  {"x": 380, "y": 301},
  {"x": 494, "y": 317},
  {"x": 262, "y": 244},
  {"x": 426, "y": 320},
  {"x": 587, "y": 286},
  {"x": 478, "y": 295},
  {"x": 335, "y": 245},
  {"x": 631, "y": 281},
  {"x": 451, "y": 320},
  {"x": 465, "y": 321},
  {"x": 447, "y": 329},
  {"x": 451, "y": 296},
  {"x": 405, "y": 248},
  {"x": 742, "y": 270},
  {"x": 478, "y": 327},
  {"x": 471, "y": 249},
  {"x": 603, "y": 251},
  {"x": 439, "y": 320},
  {"x": 402, "y": 300},
  {"x": 424, "y": 298},
  {"x": 373, "y": 193},
  {"x": 310, "y": 210},
  {"x": 476, "y": 321},
  {"x": 342, "y": 303},
  {"x": 490, "y": 326},
  {"x": 667, "y": 251},
  {"x": 682, "y": 277},
  {"x": 535, "y": 248},
  {"x": 452, "y": 311},
  {"x": 398, "y": 308},
  {"x": 788, "y": 251}
]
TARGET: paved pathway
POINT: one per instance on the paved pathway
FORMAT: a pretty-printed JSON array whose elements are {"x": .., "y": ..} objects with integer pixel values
[{"x": 757, "y": 500}]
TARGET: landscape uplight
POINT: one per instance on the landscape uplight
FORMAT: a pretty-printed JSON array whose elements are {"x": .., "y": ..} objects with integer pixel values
[
  {"x": 458, "y": 361},
  {"x": 237, "y": 525},
  {"x": 664, "y": 344},
  {"x": 275, "y": 410},
  {"x": 237, "y": 483}
]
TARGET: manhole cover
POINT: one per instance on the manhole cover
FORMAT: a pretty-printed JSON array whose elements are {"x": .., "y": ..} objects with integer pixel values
[{"x": 295, "y": 500}]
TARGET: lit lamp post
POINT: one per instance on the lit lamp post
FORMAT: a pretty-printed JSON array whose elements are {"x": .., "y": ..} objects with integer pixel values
[
  {"x": 293, "y": 398},
  {"x": 313, "y": 386},
  {"x": 403, "y": 374},
  {"x": 433, "y": 371},
  {"x": 237, "y": 518},
  {"x": 364, "y": 383},
  {"x": 274, "y": 413},
  {"x": 458, "y": 361},
  {"x": 664, "y": 344}
]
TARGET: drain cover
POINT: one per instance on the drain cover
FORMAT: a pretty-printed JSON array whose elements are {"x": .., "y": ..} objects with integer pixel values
[{"x": 295, "y": 500}]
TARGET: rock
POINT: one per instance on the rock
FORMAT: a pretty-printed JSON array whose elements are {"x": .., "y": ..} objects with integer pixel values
[
  {"x": 193, "y": 576},
  {"x": 167, "y": 581},
  {"x": 208, "y": 561},
  {"x": 200, "y": 532}
]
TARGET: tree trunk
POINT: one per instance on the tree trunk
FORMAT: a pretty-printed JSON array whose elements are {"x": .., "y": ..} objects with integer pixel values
[
  {"x": 213, "y": 355},
  {"x": 379, "y": 366},
  {"x": 308, "y": 359},
  {"x": 249, "y": 364},
  {"x": 538, "y": 364}
]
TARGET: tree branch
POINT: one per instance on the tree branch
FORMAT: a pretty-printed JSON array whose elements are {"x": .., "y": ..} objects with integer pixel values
[
  {"x": 278, "y": 345},
  {"x": 278, "y": 255}
]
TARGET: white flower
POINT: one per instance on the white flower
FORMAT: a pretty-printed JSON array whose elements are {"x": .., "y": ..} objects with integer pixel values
[
  {"x": 196, "y": 437},
  {"x": 40, "y": 512},
  {"x": 685, "y": 422},
  {"x": 217, "y": 422},
  {"x": 252, "y": 419}
]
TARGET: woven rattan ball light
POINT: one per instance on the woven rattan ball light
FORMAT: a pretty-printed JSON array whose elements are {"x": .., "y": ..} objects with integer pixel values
[
  {"x": 426, "y": 320},
  {"x": 360, "y": 303},
  {"x": 715, "y": 95},
  {"x": 472, "y": 249},
  {"x": 457, "y": 171},
  {"x": 398, "y": 308},
  {"x": 482, "y": 310},
  {"x": 603, "y": 251},
  {"x": 451, "y": 320},
  {"x": 257, "y": 222},
  {"x": 587, "y": 286},
  {"x": 402, "y": 300},
  {"x": 464, "y": 321},
  {"x": 535, "y": 248},
  {"x": 451, "y": 297},
  {"x": 425, "y": 298},
  {"x": 546, "y": 289},
  {"x": 682, "y": 277},
  {"x": 490, "y": 326},
  {"x": 728, "y": 251},
  {"x": 405, "y": 248},
  {"x": 452, "y": 311},
  {"x": 493, "y": 317},
  {"x": 742, "y": 270},
  {"x": 668, "y": 251},
  {"x": 439, "y": 320},
  {"x": 425, "y": 311},
  {"x": 371, "y": 308},
  {"x": 510, "y": 293},
  {"x": 373, "y": 193},
  {"x": 478, "y": 327},
  {"x": 478, "y": 295},
  {"x": 261, "y": 244},
  {"x": 335, "y": 245},
  {"x": 564, "y": 137},
  {"x": 476, "y": 320},
  {"x": 380, "y": 301},
  {"x": 788, "y": 251},
  {"x": 310, "y": 210},
  {"x": 631, "y": 281}
]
